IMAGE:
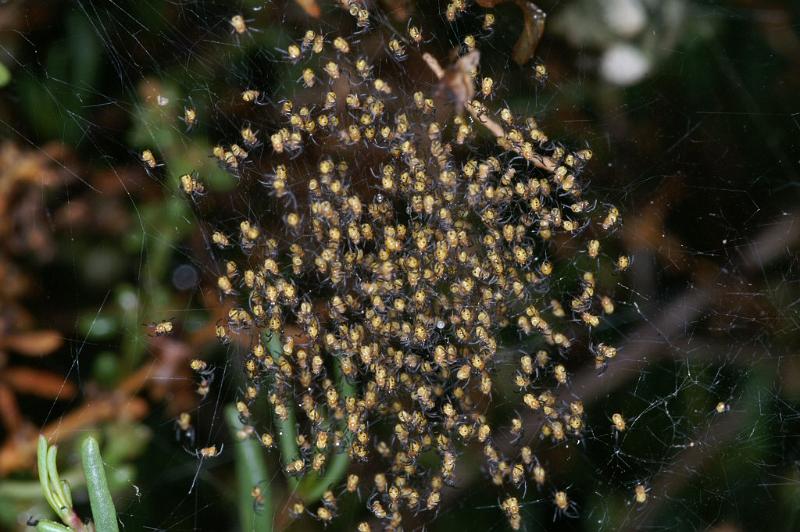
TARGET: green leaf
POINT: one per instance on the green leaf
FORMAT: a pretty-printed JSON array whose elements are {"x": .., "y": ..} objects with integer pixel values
[
  {"x": 251, "y": 471},
  {"x": 55, "y": 483},
  {"x": 5, "y": 75},
  {"x": 314, "y": 486},
  {"x": 103, "y": 512},
  {"x": 51, "y": 526},
  {"x": 44, "y": 477}
]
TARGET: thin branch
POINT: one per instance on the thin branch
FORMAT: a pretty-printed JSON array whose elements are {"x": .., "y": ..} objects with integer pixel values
[
  {"x": 434, "y": 65},
  {"x": 540, "y": 161}
]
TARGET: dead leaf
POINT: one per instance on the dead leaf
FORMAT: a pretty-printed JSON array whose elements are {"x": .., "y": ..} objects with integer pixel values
[
  {"x": 41, "y": 383},
  {"x": 9, "y": 410},
  {"x": 310, "y": 7},
  {"x": 17, "y": 454},
  {"x": 458, "y": 82},
  {"x": 399, "y": 10},
  {"x": 35, "y": 343}
]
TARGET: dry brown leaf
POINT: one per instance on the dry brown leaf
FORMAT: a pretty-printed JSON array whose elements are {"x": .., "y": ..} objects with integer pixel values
[
  {"x": 169, "y": 377},
  {"x": 399, "y": 10},
  {"x": 41, "y": 383},
  {"x": 9, "y": 410},
  {"x": 457, "y": 79},
  {"x": 16, "y": 454},
  {"x": 310, "y": 7},
  {"x": 35, "y": 343}
]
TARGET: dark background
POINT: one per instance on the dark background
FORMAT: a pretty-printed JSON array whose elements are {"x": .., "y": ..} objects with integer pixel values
[{"x": 701, "y": 156}]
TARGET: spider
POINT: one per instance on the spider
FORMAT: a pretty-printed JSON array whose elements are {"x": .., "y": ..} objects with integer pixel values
[
  {"x": 161, "y": 328},
  {"x": 239, "y": 26},
  {"x": 206, "y": 452}
]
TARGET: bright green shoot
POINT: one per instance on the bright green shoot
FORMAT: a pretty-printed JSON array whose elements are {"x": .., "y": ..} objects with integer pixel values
[{"x": 59, "y": 497}]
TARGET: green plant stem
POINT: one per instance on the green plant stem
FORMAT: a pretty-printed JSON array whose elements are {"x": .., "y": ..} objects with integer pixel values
[
  {"x": 251, "y": 471},
  {"x": 314, "y": 486},
  {"x": 44, "y": 476},
  {"x": 55, "y": 482},
  {"x": 287, "y": 434},
  {"x": 27, "y": 491},
  {"x": 287, "y": 429},
  {"x": 103, "y": 512},
  {"x": 20, "y": 490},
  {"x": 55, "y": 491},
  {"x": 46, "y": 525}
]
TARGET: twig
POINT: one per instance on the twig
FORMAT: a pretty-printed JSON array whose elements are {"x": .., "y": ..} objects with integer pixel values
[
  {"x": 434, "y": 65},
  {"x": 495, "y": 128},
  {"x": 540, "y": 161}
]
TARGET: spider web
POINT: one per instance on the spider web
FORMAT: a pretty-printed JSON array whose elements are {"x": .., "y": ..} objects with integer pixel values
[{"x": 700, "y": 158}]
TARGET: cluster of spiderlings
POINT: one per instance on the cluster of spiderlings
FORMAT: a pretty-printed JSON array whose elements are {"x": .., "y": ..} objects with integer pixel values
[{"x": 375, "y": 305}]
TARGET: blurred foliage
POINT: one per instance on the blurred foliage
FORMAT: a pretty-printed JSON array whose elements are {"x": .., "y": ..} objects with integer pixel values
[{"x": 701, "y": 154}]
